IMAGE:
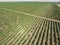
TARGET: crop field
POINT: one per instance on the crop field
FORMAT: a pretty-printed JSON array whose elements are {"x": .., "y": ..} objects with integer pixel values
[{"x": 29, "y": 23}]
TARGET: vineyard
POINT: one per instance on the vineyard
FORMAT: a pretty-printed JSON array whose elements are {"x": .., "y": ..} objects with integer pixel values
[{"x": 29, "y": 23}]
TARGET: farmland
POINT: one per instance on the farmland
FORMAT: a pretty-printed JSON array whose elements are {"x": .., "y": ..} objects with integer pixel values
[{"x": 28, "y": 23}]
